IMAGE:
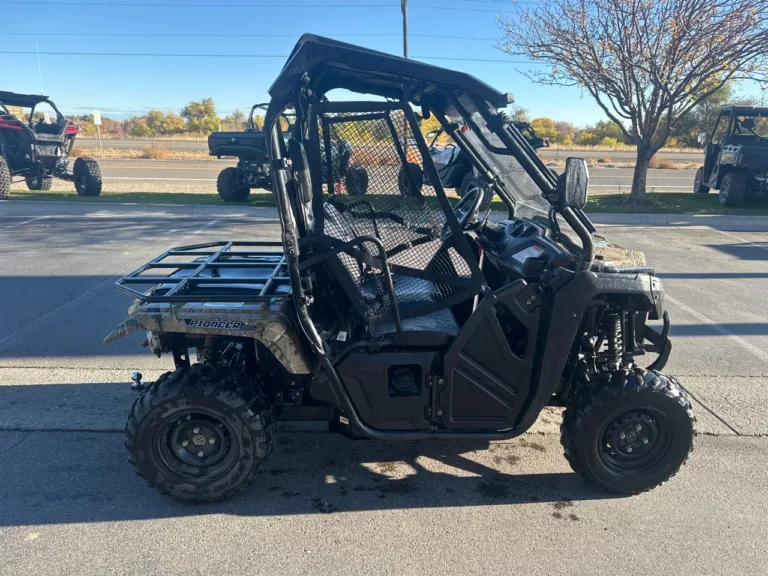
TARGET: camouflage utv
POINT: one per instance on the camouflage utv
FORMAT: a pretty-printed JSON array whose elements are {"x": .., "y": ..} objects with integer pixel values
[{"x": 398, "y": 316}]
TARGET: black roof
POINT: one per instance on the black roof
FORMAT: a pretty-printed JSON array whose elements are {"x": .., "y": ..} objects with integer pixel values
[
  {"x": 26, "y": 100},
  {"x": 746, "y": 110},
  {"x": 333, "y": 64}
]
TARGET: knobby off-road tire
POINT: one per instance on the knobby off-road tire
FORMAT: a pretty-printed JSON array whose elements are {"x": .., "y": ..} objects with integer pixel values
[
  {"x": 231, "y": 185},
  {"x": 169, "y": 431},
  {"x": 357, "y": 181},
  {"x": 732, "y": 189},
  {"x": 628, "y": 433},
  {"x": 87, "y": 175},
  {"x": 410, "y": 186},
  {"x": 698, "y": 183},
  {"x": 43, "y": 183},
  {"x": 5, "y": 179}
]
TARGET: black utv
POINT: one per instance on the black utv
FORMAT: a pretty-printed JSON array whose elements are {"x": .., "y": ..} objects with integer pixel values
[
  {"x": 401, "y": 317},
  {"x": 736, "y": 156},
  {"x": 35, "y": 147},
  {"x": 253, "y": 168}
]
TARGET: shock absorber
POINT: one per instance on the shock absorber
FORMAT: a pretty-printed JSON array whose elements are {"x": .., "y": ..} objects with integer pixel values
[{"x": 612, "y": 351}]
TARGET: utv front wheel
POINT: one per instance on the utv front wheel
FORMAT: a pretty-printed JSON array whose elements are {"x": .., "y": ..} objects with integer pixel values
[
  {"x": 357, "y": 181},
  {"x": 5, "y": 179},
  {"x": 41, "y": 183},
  {"x": 231, "y": 185},
  {"x": 200, "y": 434},
  {"x": 629, "y": 433},
  {"x": 410, "y": 180},
  {"x": 698, "y": 183},
  {"x": 87, "y": 175},
  {"x": 732, "y": 189}
]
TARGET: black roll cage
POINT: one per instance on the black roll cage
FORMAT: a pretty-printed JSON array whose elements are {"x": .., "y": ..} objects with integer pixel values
[{"x": 360, "y": 73}]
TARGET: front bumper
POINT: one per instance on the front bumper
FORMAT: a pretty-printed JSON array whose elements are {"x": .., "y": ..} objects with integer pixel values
[{"x": 651, "y": 340}]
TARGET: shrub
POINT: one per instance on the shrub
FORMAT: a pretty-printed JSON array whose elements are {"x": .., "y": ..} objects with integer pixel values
[
  {"x": 609, "y": 141},
  {"x": 155, "y": 153}
]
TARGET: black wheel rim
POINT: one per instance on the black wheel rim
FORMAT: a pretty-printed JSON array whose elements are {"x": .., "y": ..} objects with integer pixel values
[
  {"x": 195, "y": 445},
  {"x": 635, "y": 441}
]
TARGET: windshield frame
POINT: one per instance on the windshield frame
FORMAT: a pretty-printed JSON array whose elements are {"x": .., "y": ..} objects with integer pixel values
[{"x": 487, "y": 156}]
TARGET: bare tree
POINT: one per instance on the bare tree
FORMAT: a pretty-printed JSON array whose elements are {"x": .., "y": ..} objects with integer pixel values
[{"x": 645, "y": 62}]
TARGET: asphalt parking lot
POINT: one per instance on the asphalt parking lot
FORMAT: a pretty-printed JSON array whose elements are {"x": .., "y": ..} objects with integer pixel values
[{"x": 70, "y": 503}]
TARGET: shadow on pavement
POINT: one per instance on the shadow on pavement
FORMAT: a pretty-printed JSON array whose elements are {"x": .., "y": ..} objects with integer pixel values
[
  {"x": 65, "y": 476},
  {"x": 745, "y": 251},
  {"x": 740, "y": 329}
]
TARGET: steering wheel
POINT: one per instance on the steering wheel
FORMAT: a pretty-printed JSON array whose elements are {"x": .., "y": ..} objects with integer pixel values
[{"x": 466, "y": 210}]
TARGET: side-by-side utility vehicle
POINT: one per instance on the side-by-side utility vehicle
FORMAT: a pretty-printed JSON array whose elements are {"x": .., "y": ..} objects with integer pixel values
[
  {"x": 401, "y": 316},
  {"x": 736, "y": 156},
  {"x": 35, "y": 144}
]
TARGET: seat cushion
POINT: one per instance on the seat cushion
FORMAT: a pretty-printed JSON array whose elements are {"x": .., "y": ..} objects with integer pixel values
[{"x": 435, "y": 330}]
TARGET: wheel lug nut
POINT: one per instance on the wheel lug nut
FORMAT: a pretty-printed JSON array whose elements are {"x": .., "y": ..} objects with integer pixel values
[
  {"x": 189, "y": 416},
  {"x": 622, "y": 436},
  {"x": 629, "y": 448},
  {"x": 638, "y": 427},
  {"x": 185, "y": 443},
  {"x": 196, "y": 430},
  {"x": 645, "y": 440},
  {"x": 201, "y": 453},
  {"x": 212, "y": 441}
]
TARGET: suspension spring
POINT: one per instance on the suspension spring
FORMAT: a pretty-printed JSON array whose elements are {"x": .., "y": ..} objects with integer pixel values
[{"x": 612, "y": 350}]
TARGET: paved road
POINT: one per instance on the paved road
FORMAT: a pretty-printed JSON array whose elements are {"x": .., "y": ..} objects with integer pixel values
[
  {"x": 200, "y": 176},
  {"x": 69, "y": 503},
  {"x": 202, "y": 145}
]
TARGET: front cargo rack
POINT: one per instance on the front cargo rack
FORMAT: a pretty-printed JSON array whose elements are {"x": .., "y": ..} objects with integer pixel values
[{"x": 212, "y": 272}]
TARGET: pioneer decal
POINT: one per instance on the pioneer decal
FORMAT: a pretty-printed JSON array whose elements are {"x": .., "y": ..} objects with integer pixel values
[{"x": 218, "y": 325}]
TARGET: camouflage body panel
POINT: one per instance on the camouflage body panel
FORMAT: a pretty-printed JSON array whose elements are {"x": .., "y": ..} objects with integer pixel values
[{"x": 267, "y": 322}]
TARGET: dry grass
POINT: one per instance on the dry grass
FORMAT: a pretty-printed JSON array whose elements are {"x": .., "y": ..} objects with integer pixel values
[
  {"x": 149, "y": 152},
  {"x": 661, "y": 163},
  {"x": 155, "y": 153}
]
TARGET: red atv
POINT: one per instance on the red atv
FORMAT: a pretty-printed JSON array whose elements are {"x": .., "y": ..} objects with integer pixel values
[{"x": 35, "y": 143}]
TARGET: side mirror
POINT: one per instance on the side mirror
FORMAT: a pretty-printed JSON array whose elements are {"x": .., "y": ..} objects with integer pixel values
[
  {"x": 702, "y": 138},
  {"x": 576, "y": 183}
]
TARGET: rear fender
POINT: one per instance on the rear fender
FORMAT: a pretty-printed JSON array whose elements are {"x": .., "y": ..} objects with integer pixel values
[{"x": 266, "y": 323}]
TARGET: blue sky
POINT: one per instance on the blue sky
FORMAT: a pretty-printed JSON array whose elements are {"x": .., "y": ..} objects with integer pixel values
[{"x": 123, "y": 86}]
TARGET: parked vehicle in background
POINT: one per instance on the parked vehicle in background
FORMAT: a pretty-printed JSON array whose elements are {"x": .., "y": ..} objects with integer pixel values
[
  {"x": 736, "y": 155},
  {"x": 253, "y": 169},
  {"x": 35, "y": 144},
  {"x": 454, "y": 167}
]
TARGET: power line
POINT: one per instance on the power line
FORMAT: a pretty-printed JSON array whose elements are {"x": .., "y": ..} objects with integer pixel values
[
  {"x": 269, "y": 5},
  {"x": 206, "y": 35},
  {"x": 281, "y": 56}
]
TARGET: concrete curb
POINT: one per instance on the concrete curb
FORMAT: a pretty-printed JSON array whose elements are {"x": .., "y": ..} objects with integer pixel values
[{"x": 36, "y": 208}]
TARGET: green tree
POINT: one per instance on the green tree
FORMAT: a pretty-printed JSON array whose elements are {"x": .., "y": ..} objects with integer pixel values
[
  {"x": 544, "y": 128},
  {"x": 236, "y": 121},
  {"x": 702, "y": 118},
  {"x": 201, "y": 116}
]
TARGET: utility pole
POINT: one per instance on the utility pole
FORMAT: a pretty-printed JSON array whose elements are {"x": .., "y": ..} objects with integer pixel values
[{"x": 404, "y": 8}]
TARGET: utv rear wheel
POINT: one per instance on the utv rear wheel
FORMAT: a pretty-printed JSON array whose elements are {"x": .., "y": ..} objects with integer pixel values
[
  {"x": 698, "y": 183},
  {"x": 410, "y": 186},
  {"x": 5, "y": 179},
  {"x": 231, "y": 185},
  {"x": 42, "y": 183},
  {"x": 628, "y": 433},
  {"x": 357, "y": 181},
  {"x": 732, "y": 189},
  {"x": 87, "y": 175},
  {"x": 470, "y": 182},
  {"x": 200, "y": 434}
]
